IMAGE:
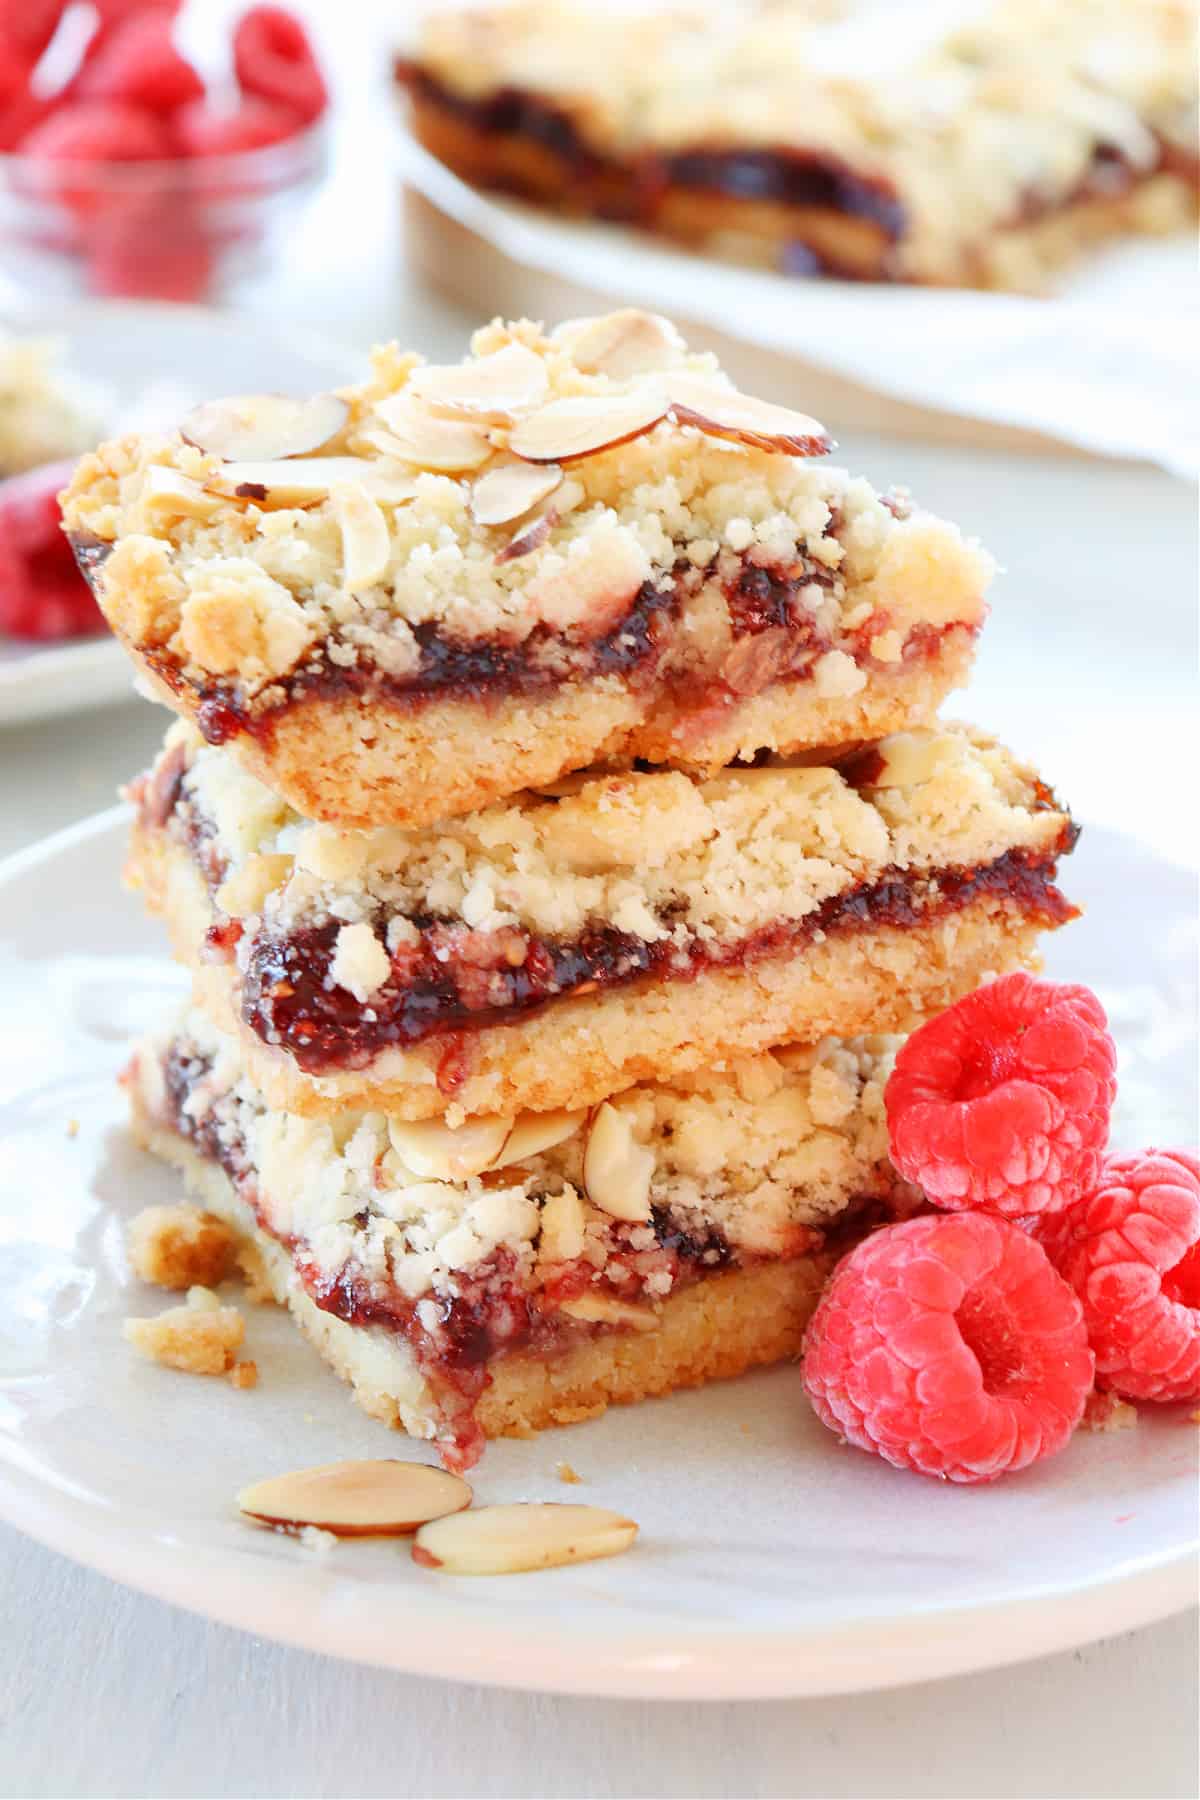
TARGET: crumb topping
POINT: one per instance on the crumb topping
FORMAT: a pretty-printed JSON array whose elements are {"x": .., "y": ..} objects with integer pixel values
[
  {"x": 180, "y": 1247},
  {"x": 525, "y": 497},
  {"x": 45, "y": 414},
  {"x": 652, "y": 854}
]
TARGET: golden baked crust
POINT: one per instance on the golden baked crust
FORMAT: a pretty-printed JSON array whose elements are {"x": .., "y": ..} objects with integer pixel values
[
  {"x": 689, "y": 586},
  {"x": 987, "y": 158}
]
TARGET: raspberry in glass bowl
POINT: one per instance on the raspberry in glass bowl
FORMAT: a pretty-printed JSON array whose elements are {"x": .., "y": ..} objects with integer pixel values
[{"x": 124, "y": 173}]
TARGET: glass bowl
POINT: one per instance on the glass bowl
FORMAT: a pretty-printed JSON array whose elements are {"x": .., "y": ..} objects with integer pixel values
[{"x": 190, "y": 229}]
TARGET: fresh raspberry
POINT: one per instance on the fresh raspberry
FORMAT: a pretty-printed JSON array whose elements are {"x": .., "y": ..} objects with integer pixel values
[
  {"x": 139, "y": 65},
  {"x": 28, "y": 25},
  {"x": 1131, "y": 1251},
  {"x": 154, "y": 247},
  {"x": 202, "y": 129},
  {"x": 949, "y": 1346},
  {"x": 16, "y": 66},
  {"x": 21, "y": 113},
  {"x": 99, "y": 131},
  {"x": 273, "y": 59},
  {"x": 42, "y": 593},
  {"x": 116, "y": 12},
  {"x": 1003, "y": 1101}
]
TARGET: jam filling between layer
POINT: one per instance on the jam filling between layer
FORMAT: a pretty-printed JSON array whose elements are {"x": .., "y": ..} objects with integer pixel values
[
  {"x": 805, "y": 180},
  {"x": 458, "y": 980},
  {"x": 776, "y": 637},
  {"x": 489, "y": 1311}
]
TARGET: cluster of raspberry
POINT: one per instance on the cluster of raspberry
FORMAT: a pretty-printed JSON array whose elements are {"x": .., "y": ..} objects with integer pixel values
[{"x": 560, "y": 832}]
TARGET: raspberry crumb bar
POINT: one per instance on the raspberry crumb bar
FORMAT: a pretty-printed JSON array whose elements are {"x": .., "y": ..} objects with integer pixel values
[
  {"x": 524, "y": 1272},
  {"x": 451, "y": 583},
  {"x": 562, "y": 945},
  {"x": 986, "y": 158}
]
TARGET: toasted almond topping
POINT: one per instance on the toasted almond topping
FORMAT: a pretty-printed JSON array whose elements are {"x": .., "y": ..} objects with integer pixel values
[
  {"x": 438, "y": 1152},
  {"x": 531, "y": 536},
  {"x": 616, "y": 1168},
  {"x": 535, "y": 1132},
  {"x": 623, "y": 344},
  {"x": 509, "y": 490},
  {"x": 445, "y": 446},
  {"x": 252, "y": 426},
  {"x": 304, "y": 481},
  {"x": 607, "y": 1309},
  {"x": 585, "y": 424},
  {"x": 723, "y": 412},
  {"x": 504, "y": 1540},
  {"x": 366, "y": 542},
  {"x": 493, "y": 388},
  {"x": 171, "y": 495},
  {"x": 356, "y": 1499}
]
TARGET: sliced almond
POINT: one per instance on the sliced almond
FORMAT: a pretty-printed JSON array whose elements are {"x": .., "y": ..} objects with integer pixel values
[
  {"x": 909, "y": 757},
  {"x": 252, "y": 426},
  {"x": 625, "y": 343},
  {"x": 386, "y": 1498},
  {"x": 438, "y": 1152},
  {"x": 585, "y": 424},
  {"x": 168, "y": 494},
  {"x": 446, "y": 446},
  {"x": 530, "y": 537},
  {"x": 510, "y": 490},
  {"x": 366, "y": 540},
  {"x": 606, "y": 1309},
  {"x": 534, "y": 1132},
  {"x": 303, "y": 481},
  {"x": 617, "y": 1169},
  {"x": 495, "y": 388},
  {"x": 723, "y": 412},
  {"x": 505, "y": 1540}
]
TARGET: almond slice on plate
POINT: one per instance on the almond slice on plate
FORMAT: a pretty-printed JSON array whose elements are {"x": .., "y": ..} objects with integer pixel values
[
  {"x": 366, "y": 540},
  {"x": 303, "y": 480},
  {"x": 250, "y": 427},
  {"x": 623, "y": 344},
  {"x": 356, "y": 1499},
  {"x": 723, "y": 412},
  {"x": 512, "y": 489},
  {"x": 445, "y": 446},
  {"x": 505, "y": 1540},
  {"x": 617, "y": 1170},
  {"x": 438, "y": 1152},
  {"x": 534, "y": 1132},
  {"x": 585, "y": 424},
  {"x": 492, "y": 388}
]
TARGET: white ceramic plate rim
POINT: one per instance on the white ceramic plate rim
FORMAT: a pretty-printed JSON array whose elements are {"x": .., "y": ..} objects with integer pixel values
[{"x": 319, "y": 1607}]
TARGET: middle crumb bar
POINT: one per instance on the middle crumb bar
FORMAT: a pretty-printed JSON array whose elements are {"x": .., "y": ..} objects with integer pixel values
[{"x": 554, "y": 949}]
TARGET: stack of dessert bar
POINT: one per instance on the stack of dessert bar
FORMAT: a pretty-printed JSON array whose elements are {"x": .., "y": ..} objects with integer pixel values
[{"x": 556, "y": 823}]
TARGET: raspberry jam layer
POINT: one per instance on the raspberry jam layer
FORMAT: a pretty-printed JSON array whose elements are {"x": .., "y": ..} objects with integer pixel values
[
  {"x": 775, "y": 637},
  {"x": 457, "y": 980}
]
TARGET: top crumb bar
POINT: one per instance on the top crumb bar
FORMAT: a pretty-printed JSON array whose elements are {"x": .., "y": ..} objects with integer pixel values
[
  {"x": 406, "y": 601},
  {"x": 859, "y": 146}
]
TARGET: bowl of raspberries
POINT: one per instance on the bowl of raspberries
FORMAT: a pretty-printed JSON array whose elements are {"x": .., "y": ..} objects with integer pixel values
[{"x": 126, "y": 170}]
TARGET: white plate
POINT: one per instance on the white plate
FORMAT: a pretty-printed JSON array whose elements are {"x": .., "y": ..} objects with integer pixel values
[
  {"x": 772, "y": 1560},
  {"x": 154, "y": 360}
]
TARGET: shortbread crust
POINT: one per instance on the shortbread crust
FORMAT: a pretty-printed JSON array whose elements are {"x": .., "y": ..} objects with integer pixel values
[
  {"x": 555, "y": 949},
  {"x": 510, "y": 1299},
  {"x": 698, "y": 590},
  {"x": 986, "y": 159}
]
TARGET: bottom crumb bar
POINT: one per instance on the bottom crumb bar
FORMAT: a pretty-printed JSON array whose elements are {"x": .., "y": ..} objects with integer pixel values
[{"x": 515, "y": 1274}]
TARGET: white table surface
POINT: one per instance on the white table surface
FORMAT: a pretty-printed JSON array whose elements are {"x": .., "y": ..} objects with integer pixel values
[{"x": 1089, "y": 667}]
